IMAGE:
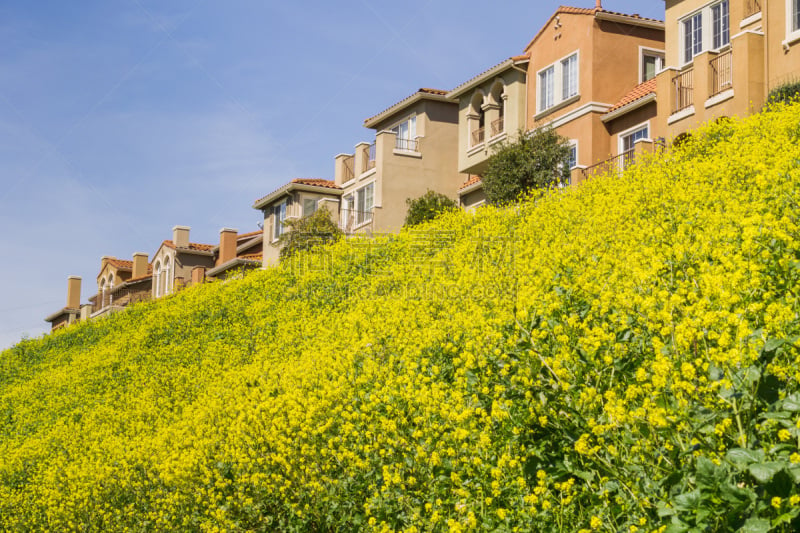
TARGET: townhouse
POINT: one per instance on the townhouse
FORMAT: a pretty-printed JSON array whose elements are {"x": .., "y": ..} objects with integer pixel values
[{"x": 574, "y": 70}]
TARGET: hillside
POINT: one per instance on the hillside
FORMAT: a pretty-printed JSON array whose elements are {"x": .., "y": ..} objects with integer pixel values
[{"x": 619, "y": 357}]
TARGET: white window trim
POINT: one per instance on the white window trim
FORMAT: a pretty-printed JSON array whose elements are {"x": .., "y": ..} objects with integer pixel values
[
  {"x": 574, "y": 142},
  {"x": 558, "y": 80},
  {"x": 707, "y": 34},
  {"x": 643, "y": 51},
  {"x": 625, "y": 133},
  {"x": 275, "y": 220},
  {"x": 792, "y": 36}
]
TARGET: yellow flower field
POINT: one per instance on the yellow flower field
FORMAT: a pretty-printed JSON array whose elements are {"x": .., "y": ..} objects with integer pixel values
[{"x": 620, "y": 357}]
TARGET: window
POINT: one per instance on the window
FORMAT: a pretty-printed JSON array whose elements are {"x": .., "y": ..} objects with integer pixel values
[
  {"x": 406, "y": 134},
  {"x": 795, "y": 15},
  {"x": 720, "y": 22},
  {"x": 309, "y": 206},
  {"x": 570, "y": 163},
  {"x": 628, "y": 143},
  {"x": 558, "y": 82},
  {"x": 707, "y": 29},
  {"x": 157, "y": 279},
  {"x": 167, "y": 277},
  {"x": 692, "y": 37},
  {"x": 279, "y": 212},
  {"x": 546, "y": 88},
  {"x": 347, "y": 211},
  {"x": 364, "y": 203},
  {"x": 652, "y": 64},
  {"x": 569, "y": 69}
]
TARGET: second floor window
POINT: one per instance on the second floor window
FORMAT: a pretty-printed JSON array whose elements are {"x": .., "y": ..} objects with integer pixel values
[
  {"x": 795, "y": 15},
  {"x": 546, "y": 88},
  {"x": 558, "y": 82},
  {"x": 406, "y": 134},
  {"x": 279, "y": 218},
  {"x": 720, "y": 21},
  {"x": 364, "y": 203},
  {"x": 692, "y": 37},
  {"x": 652, "y": 64}
]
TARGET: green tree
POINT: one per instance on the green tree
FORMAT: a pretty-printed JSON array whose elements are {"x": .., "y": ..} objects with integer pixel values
[
  {"x": 308, "y": 232},
  {"x": 427, "y": 207},
  {"x": 536, "y": 160}
]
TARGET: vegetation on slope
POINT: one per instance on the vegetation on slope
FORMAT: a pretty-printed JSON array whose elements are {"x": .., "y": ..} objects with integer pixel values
[{"x": 623, "y": 357}]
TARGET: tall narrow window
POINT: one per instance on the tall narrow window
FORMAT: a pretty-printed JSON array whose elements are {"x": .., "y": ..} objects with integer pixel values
[
  {"x": 157, "y": 279},
  {"x": 279, "y": 218},
  {"x": 692, "y": 37},
  {"x": 546, "y": 88},
  {"x": 347, "y": 212},
  {"x": 721, "y": 24},
  {"x": 406, "y": 134},
  {"x": 309, "y": 206},
  {"x": 795, "y": 15},
  {"x": 364, "y": 203},
  {"x": 569, "y": 77}
]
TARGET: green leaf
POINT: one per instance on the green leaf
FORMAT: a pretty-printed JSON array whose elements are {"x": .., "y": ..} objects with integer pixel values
[
  {"x": 742, "y": 457},
  {"x": 792, "y": 402},
  {"x": 688, "y": 501},
  {"x": 708, "y": 474},
  {"x": 794, "y": 471},
  {"x": 764, "y": 472},
  {"x": 755, "y": 525}
]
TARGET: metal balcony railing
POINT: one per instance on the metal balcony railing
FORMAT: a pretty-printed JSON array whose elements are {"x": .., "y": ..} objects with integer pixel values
[
  {"x": 369, "y": 157},
  {"x": 498, "y": 126},
  {"x": 119, "y": 298},
  {"x": 612, "y": 164},
  {"x": 347, "y": 171},
  {"x": 751, "y": 7},
  {"x": 352, "y": 220},
  {"x": 478, "y": 136},
  {"x": 683, "y": 86},
  {"x": 411, "y": 145},
  {"x": 721, "y": 72}
]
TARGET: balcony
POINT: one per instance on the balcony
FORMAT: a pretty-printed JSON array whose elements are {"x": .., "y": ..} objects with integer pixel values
[
  {"x": 498, "y": 127},
  {"x": 107, "y": 301},
  {"x": 347, "y": 169},
  {"x": 409, "y": 145},
  {"x": 721, "y": 73},
  {"x": 352, "y": 220},
  {"x": 751, "y": 7},
  {"x": 478, "y": 136},
  {"x": 683, "y": 87},
  {"x": 368, "y": 155},
  {"x": 611, "y": 165}
]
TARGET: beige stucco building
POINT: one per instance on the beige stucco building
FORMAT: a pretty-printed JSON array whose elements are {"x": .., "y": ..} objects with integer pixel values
[
  {"x": 723, "y": 57},
  {"x": 175, "y": 259},
  {"x": 121, "y": 283},
  {"x": 415, "y": 149}
]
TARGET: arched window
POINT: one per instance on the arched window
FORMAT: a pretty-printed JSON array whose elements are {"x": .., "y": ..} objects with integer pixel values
[
  {"x": 157, "y": 279},
  {"x": 167, "y": 275},
  {"x": 497, "y": 97},
  {"x": 477, "y": 120}
]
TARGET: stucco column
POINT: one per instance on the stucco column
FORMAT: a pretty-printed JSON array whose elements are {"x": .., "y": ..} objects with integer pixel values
[
  {"x": 701, "y": 82},
  {"x": 749, "y": 86},
  {"x": 340, "y": 174},
  {"x": 360, "y": 163},
  {"x": 666, "y": 99}
]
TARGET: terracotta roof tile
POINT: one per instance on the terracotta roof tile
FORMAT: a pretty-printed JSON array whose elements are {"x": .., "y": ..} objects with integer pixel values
[
  {"x": 640, "y": 91},
  {"x": 424, "y": 90},
  {"x": 251, "y": 257},
  {"x": 248, "y": 235},
  {"x": 316, "y": 182},
  {"x": 192, "y": 246},
  {"x": 120, "y": 264},
  {"x": 471, "y": 181}
]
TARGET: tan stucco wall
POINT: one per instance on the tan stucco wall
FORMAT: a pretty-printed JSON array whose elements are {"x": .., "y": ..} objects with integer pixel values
[
  {"x": 647, "y": 113},
  {"x": 472, "y": 158},
  {"x": 608, "y": 67},
  {"x": 760, "y": 62}
]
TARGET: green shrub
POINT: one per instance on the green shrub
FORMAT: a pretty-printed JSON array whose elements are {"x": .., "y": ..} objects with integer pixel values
[{"x": 427, "y": 207}]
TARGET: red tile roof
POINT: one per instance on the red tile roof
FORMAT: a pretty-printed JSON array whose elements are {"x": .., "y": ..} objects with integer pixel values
[
  {"x": 316, "y": 182},
  {"x": 251, "y": 257},
  {"x": 192, "y": 246},
  {"x": 423, "y": 90},
  {"x": 248, "y": 235},
  {"x": 471, "y": 181},
  {"x": 120, "y": 264},
  {"x": 640, "y": 91}
]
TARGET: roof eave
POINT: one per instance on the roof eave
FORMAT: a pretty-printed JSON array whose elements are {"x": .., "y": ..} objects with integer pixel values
[
  {"x": 61, "y": 312},
  {"x": 480, "y": 78},
  {"x": 627, "y": 108},
  {"x": 291, "y": 186},
  {"x": 625, "y": 19},
  {"x": 232, "y": 264},
  {"x": 470, "y": 188},
  {"x": 399, "y": 106}
]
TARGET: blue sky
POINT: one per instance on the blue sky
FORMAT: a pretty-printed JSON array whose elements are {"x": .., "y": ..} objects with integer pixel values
[{"x": 122, "y": 118}]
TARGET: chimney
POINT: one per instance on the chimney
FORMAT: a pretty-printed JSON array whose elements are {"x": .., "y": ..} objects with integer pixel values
[
  {"x": 227, "y": 245},
  {"x": 180, "y": 236},
  {"x": 598, "y": 4},
  {"x": 139, "y": 265},
  {"x": 74, "y": 292},
  {"x": 198, "y": 275}
]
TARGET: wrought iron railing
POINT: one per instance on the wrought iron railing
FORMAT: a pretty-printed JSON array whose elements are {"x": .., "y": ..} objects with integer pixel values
[
  {"x": 751, "y": 7},
  {"x": 347, "y": 170},
  {"x": 721, "y": 72},
  {"x": 478, "y": 136},
  {"x": 498, "y": 126},
  {"x": 411, "y": 145},
  {"x": 352, "y": 220},
  {"x": 118, "y": 298},
  {"x": 612, "y": 164},
  {"x": 369, "y": 157},
  {"x": 683, "y": 86}
]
